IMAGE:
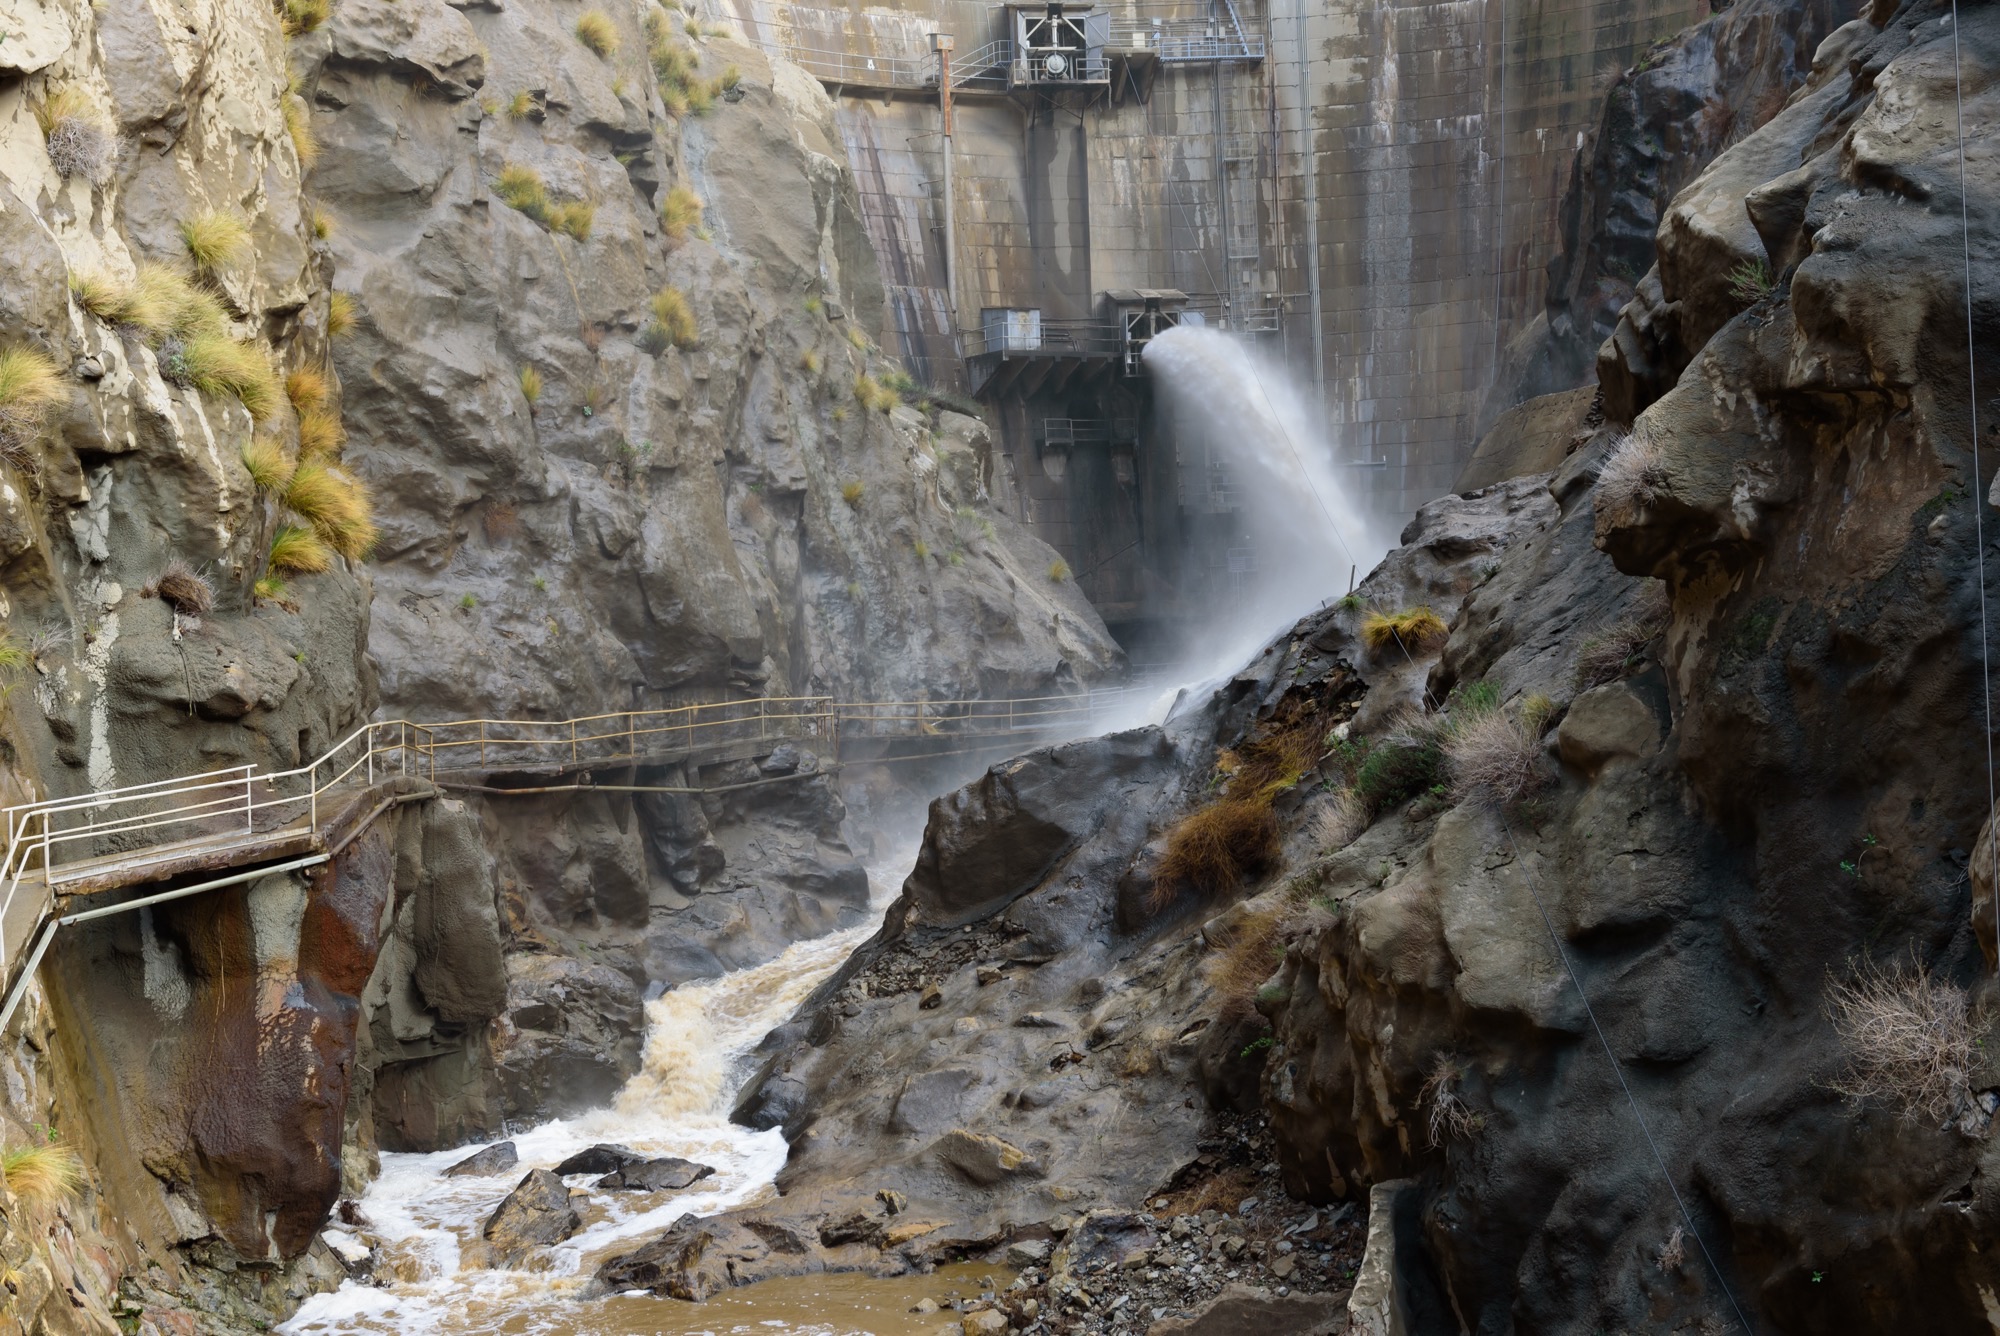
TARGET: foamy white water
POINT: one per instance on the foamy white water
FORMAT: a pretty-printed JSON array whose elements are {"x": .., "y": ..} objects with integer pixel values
[
  {"x": 1296, "y": 503},
  {"x": 698, "y": 1042}
]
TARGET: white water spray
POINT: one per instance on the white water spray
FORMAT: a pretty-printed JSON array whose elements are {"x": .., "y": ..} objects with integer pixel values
[{"x": 1292, "y": 503}]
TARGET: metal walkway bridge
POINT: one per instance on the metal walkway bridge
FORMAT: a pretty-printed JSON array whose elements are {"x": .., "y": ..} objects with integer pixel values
[{"x": 245, "y": 823}]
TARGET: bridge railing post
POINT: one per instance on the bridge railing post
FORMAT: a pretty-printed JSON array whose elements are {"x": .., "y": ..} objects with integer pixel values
[
  {"x": 482, "y": 744},
  {"x": 572, "y": 743},
  {"x": 631, "y": 735},
  {"x": 249, "y": 800}
]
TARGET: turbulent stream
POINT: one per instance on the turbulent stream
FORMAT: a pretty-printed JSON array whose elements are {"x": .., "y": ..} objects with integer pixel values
[{"x": 698, "y": 1038}]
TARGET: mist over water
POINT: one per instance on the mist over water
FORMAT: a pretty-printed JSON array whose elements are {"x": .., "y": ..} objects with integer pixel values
[{"x": 1294, "y": 515}]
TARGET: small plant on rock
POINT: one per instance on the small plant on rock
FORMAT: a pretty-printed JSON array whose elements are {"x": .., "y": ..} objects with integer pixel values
[
  {"x": 340, "y": 315},
  {"x": 299, "y": 127},
  {"x": 297, "y": 550},
  {"x": 1634, "y": 473},
  {"x": 299, "y": 17},
  {"x": 851, "y": 491},
  {"x": 1606, "y": 655},
  {"x": 521, "y": 188},
  {"x": 1058, "y": 571},
  {"x": 1413, "y": 630},
  {"x": 809, "y": 362},
  {"x": 269, "y": 468},
  {"x": 1493, "y": 757},
  {"x": 184, "y": 589},
  {"x": 335, "y": 504},
  {"x": 320, "y": 434},
  {"x": 1909, "y": 1039},
  {"x": 214, "y": 239},
  {"x": 680, "y": 213},
  {"x": 672, "y": 324},
  {"x": 219, "y": 366},
  {"x": 521, "y": 106},
  {"x": 75, "y": 132},
  {"x": 30, "y": 386},
  {"x": 101, "y": 294},
  {"x": 42, "y": 1175},
  {"x": 531, "y": 385},
  {"x": 306, "y": 389},
  {"x": 1215, "y": 850},
  {"x": 595, "y": 30},
  {"x": 1751, "y": 281},
  {"x": 572, "y": 218},
  {"x": 1451, "y": 1118}
]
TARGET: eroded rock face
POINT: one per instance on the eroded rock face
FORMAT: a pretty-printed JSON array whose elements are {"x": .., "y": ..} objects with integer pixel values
[{"x": 1782, "y": 779}]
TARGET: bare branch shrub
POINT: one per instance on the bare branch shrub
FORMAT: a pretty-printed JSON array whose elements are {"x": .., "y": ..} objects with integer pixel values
[
  {"x": 1604, "y": 656},
  {"x": 185, "y": 589},
  {"x": 1674, "y": 1251},
  {"x": 1451, "y": 1118},
  {"x": 1633, "y": 474},
  {"x": 1909, "y": 1040},
  {"x": 1495, "y": 758}
]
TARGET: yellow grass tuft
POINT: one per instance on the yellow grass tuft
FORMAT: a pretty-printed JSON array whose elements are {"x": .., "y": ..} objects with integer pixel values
[
  {"x": 596, "y": 31},
  {"x": 531, "y": 385},
  {"x": 42, "y": 1175},
  {"x": 335, "y": 504},
  {"x": 29, "y": 382},
  {"x": 299, "y": 17},
  {"x": 680, "y": 212},
  {"x": 851, "y": 491},
  {"x": 270, "y": 468},
  {"x": 320, "y": 434},
  {"x": 306, "y": 389},
  {"x": 1059, "y": 570},
  {"x": 572, "y": 218},
  {"x": 673, "y": 320},
  {"x": 167, "y": 303},
  {"x": 340, "y": 315},
  {"x": 214, "y": 239},
  {"x": 520, "y": 106},
  {"x": 1415, "y": 629},
  {"x": 218, "y": 365},
  {"x": 298, "y": 124},
  {"x": 521, "y": 187},
  {"x": 298, "y": 551},
  {"x": 104, "y": 296}
]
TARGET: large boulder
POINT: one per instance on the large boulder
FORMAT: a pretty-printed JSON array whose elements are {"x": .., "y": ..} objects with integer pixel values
[{"x": 537, "y": 1213}]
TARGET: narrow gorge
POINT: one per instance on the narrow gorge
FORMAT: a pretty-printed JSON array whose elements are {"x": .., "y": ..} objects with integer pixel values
[{"x": 1179, "y": 668}]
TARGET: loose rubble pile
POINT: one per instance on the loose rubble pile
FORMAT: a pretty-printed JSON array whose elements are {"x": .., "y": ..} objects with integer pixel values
[{"x": 1220, "y": 1249}]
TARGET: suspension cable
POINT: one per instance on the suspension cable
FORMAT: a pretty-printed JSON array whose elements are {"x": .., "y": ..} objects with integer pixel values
[{"x": 1978, "y": 476}]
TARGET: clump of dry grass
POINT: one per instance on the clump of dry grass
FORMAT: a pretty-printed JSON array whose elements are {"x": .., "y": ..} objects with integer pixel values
[
  {"x": 298, "y": 125},
  {"x": 673, "y": 323},
  {"x": 184, "y": 589},
  {"x": 1451, "y": 1118},
  {"x": 340, "y": 315},
  {"x": 320, "y": 434},
  {"x": 296, "y": 550},
  {"x": 335, "y": 504},
  {"x": 299, "y": 17},
  {"x": 167, "y": 304},
  {"x": 30, "y": 386},
  {"x": 1240, "y": 965},
  {"x": 1058, "y": 571},
  {"x": 595, "y": 30},
  {"x": 214, "y": 239},
  {"x": 680, "y": 213},
  {"x": 1909, "y": 1039},
  {"x": 531, "y": 385},
  {"x": 522, "y": 188},
  {"x": 1214, "y": 851},
  {"x": 103, "y": 295},
  {"x": 572, "y": 218},
  {"x": 218, "y": 365},
  {"x": 269, "y": 467},
  {"x": 306, "y": 388},
  {"x": 852, "y": 490},
  {"x": 1415, "y": 629},
  {"x": 871, "y": 393},
  {"x": 1604, "y": 656},
  {"x": 1633, "y": 474},
  {"x": 1673, "y": 1253},
  {"x": 1494, "y": 757},
  {"x": 76, "y": 134},
  {"x": 42, "y": 1175}
]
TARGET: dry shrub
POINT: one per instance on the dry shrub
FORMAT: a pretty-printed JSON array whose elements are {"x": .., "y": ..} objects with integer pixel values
[
  {"x": 1337, "y": 824},
  {"x": 1633, "y": 473},
  {"x": 1415, "y": 629},
  {"x": 1674, "y": 1251},
  {"x": 76, "y": 133},
  {"x": 1604, "y": 656},
  {"x": 340, "y": 315},
  {"x": 1215, "y": 850},
  {"x": 41, "y": 1175},
  {"x": 1283, "y": 751},
  {"x": 185, "y": 589},
  {"x": 1239, "y": 966},
  {"x": 1451, "y": 1118},
  {"x": 1909, "y": 1040},
  {"x": 1494, "y": 757}
]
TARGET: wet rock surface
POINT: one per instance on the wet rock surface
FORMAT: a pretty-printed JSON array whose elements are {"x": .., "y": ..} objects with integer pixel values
[
  {"x": 535, "y": 1214},
  {"x": 665, "y": 1174}
]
